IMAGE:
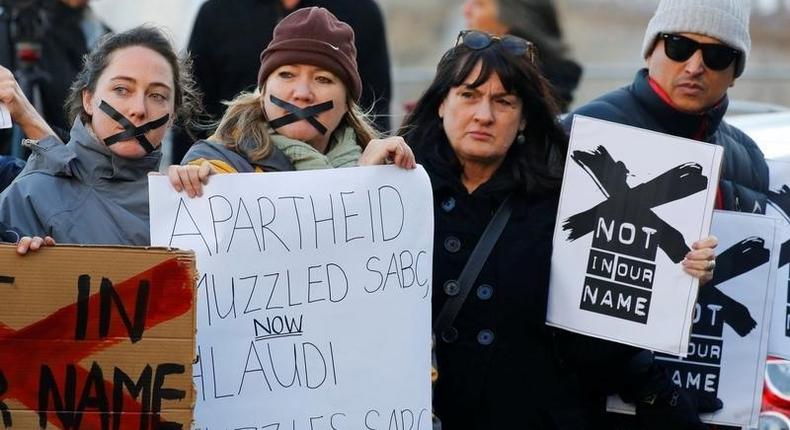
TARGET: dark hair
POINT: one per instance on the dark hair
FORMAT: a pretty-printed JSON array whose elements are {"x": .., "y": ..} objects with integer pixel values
[
  {"x": 539, "y": 161},
  {"x": 187, "y": 99}
]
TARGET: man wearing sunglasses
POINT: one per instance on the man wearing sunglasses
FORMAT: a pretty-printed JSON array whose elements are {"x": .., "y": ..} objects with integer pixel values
[{"x": 694, "y": 51}]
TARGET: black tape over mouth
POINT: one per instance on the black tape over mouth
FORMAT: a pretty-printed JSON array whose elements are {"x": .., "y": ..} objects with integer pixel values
[
  {"x": 297, "y": 114},
  {"x": 130, "y": 131}
]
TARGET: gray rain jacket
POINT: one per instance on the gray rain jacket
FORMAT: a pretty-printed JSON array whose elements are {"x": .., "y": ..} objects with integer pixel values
[{"x": 81, "y": 193}]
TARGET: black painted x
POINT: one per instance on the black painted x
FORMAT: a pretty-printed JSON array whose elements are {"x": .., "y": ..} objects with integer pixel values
[
  {"x": 734, "y": 261},
  {"x": 634, "y": 204},
  {"x": 780, "y": 199}
]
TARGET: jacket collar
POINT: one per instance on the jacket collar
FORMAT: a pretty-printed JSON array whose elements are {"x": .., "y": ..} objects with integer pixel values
[
  {"x": 101, "y": 163},
  {"x": 697, "y": 126}
]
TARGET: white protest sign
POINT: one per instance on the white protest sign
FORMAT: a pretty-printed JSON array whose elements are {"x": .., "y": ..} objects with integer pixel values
[
  {"x": 729, "y": 338},
  {"x": 5, "y": 117},
  {"x": 313, "y": 298},
  {"x": 632, "y": 203},
  {"x": 779, "y": 206}
]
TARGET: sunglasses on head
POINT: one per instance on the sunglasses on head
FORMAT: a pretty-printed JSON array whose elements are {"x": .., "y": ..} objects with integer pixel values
[
  {"x": 477, "y": 40},
  {"x": 716, "y": 56}
]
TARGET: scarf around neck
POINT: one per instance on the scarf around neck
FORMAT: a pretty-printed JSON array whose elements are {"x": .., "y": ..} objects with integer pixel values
[{"x": 343, "y": 151}]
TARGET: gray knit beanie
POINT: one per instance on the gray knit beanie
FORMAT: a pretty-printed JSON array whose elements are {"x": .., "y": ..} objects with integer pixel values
[{"x": 725, "y": 20}]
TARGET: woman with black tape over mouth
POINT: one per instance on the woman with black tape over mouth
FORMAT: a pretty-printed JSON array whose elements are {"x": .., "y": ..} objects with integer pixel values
[
  {"x": 94, "y": 189},
  {"x": 304, "y": 114}
]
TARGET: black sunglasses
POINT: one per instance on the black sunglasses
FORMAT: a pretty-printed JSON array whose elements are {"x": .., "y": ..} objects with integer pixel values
[
  {"x": 716, "y": 57},
  {"x": 477, "y": 40}
]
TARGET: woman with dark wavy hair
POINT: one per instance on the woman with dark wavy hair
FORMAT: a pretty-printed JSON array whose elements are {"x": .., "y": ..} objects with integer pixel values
[
  {"x": 486, "y": 132},
  {"x": 94, "y": 189}
]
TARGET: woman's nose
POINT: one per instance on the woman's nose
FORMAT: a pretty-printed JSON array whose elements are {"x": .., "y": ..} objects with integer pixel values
[
  {"x": 137, "y": 109},
  {"x": 302, "y": 90},
  {"x": 483, "y": 112}
]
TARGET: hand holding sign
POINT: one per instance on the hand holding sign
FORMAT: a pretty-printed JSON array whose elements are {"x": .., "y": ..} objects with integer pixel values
[
  {"x": 13, "y": 102},
  {"x": 5, "y": 117},
  {"x": 34, "y": 243},
  {"x": 15, "y": 106},
  {"x": 190, "y": 178},
  {"x": 701, "y": 260}
]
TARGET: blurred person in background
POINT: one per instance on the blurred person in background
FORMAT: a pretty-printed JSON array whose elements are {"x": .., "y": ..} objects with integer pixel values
[
  {"x": 536, "y": 21},
  {"x": 229, "y": 35}
]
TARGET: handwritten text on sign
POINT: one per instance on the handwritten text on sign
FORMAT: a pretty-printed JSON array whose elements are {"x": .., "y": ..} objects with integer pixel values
[
  {"x": 313, "y": 298},
  {"x": 96, "y": 338}
]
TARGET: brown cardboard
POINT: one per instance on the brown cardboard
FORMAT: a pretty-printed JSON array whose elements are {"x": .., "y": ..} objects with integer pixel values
[{"x": 71, "y": 359}]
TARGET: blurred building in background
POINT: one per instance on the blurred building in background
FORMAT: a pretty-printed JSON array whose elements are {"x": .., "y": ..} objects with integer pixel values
[{"x": 604, "y": 35}]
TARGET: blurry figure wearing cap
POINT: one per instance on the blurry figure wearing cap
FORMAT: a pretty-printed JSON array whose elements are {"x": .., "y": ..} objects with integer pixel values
[
  {"x": 304, "y": 114},
  {"x": 536, "y": 21},
  {"x": 94, "y": 189},
  {"x": 694, "y": 51}
]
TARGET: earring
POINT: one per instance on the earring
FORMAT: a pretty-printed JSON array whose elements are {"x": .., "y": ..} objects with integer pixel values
[{"x": 521, "y": 139}]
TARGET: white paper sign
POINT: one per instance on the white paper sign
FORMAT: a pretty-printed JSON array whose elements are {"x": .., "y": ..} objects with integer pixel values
[
  {"x": 779, "y": 206},
  {"x": 632, "y": 203},
  {"x": 313, "y": 299},
  {"x": 729, "y": 339},
  {"x": 5, "y": 117}
]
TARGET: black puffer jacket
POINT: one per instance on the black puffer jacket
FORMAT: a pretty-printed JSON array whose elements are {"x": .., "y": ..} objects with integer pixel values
[
  {"x": 503, "y": 370},
  {"x": 744, "y": 178}
]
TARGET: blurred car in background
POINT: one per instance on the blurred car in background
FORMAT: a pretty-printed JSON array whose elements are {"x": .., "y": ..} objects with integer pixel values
[
  {"x": 770, "y": 130},
  {"x": 769, "y": 126}
]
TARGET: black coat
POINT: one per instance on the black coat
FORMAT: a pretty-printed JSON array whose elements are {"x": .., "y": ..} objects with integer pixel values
[
  {"x": 373, "y": 59},
  {"x": 503, "y": 372},
  {"x": 744, "y": 177},
  {"x": 226, "y": 43}
]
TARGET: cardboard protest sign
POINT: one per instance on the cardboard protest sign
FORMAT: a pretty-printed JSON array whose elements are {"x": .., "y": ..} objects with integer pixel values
[
  {"x": 779, "y": 206},
  {"x": 729, "y": 338},
  {"x": 313, "y": 299},
  {"x": 632, "y": 202},
  {"x": 96, "y": 338}
]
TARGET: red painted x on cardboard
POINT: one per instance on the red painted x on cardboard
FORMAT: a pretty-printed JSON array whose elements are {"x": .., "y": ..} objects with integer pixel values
[{"x": 23, "y": 352}]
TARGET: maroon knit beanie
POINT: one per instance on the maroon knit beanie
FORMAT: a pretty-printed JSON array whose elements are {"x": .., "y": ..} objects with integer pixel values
[{"x": 313, "y": 36}]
